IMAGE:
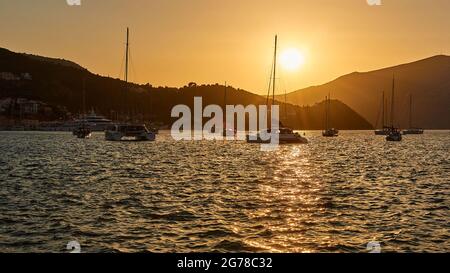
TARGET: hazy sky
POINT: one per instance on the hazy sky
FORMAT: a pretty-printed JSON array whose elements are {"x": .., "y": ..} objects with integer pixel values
[{"x": 174, "y": 42}]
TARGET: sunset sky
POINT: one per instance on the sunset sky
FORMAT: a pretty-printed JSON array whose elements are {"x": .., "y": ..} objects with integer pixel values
[{"x": 174, "y": 42}]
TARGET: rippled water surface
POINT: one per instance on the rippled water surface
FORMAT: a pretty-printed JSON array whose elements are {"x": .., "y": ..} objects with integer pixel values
[{"x": 332, "y": 195}]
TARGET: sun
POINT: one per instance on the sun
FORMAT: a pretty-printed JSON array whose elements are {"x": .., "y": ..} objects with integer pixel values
[{"x": 292, "y": 59}]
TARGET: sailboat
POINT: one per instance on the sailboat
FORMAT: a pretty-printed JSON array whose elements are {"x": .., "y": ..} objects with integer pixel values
[
  {"x": 385, "y": 130},
  {"x": 227, "y": 128},
  {"x": 128, "y": 131},
  {"x": 329, "y": 132},
  {"x": 412, "y": 130},
  {"x": 83, "y": 131},
  {"x": 394, "y": 133},
  {"x": 285, "y": 134}
]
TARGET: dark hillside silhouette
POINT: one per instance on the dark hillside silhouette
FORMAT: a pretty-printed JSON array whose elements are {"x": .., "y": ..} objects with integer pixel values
[
  {"x": 428, "y": 81},
  {"x": 59, "y": 82}
]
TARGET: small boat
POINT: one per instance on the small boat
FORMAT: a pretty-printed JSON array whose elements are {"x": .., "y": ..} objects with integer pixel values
[
  {"x": 121, "y": 132},
  {"x": 385, "y": 130},
  {"x": 329, "y": 132},
  {"x": 129, "y": 131},
  {"x": 227, "y": 128},
  {"x": 394, "y": 133},
  {"x": 288, "y": 136},
  {"x": 412, "y": 130},
  {"x": 97, "y": 123},
  {"x": 228, "y": 132},
  {"x": 153, "y": 129},
  {"x": 84, "y": 130},
  {"x": 285, "y": 135}
]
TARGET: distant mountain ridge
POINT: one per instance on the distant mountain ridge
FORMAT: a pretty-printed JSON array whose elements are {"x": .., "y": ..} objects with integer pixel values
[
  {"x": 427, "y": 80},
  {"x": 5, "y": 53},
  {"x": 54, "y": 61},
  {"x": 59, "y": 82}
]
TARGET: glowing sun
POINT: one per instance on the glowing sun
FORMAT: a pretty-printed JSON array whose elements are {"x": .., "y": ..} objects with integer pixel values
[{"x": 292, "y": 59}]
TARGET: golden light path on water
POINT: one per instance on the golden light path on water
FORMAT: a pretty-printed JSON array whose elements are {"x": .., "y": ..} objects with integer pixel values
[
  {"x": 287, "y": 175},
  {"x": 332, "y": 195}
]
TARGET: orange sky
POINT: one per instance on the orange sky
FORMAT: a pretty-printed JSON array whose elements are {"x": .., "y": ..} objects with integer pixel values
[{"x": 174, "y": 42}]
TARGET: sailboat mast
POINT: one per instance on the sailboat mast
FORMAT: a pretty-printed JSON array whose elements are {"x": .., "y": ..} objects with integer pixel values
[
  {"x": 274, "y": 68},
  {"x": 285, "y": 105},
  {"x": 83, "y": 115},
  {"x": 326, "y": 113},
  {"x": 329, "y": 110},
  {"x": 393, "y": 102},
  {"x": 225, "y": 97},
  {"x": 127, "y": 55},
  {"x": 225, "y": 101},
  {"x": 410, "y": 110},
  {"x": 84, "y": 98},
  {"x": 383, "y": 117}
]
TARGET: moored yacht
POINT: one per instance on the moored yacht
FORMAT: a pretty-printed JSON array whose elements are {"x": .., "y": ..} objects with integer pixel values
[
  {"x": 329, "y": 132},
  {"x": 332, "y": 132},
  {"x": 126, "y": 131},
  {"x": 83, "y": 130},
  {"x": 412, "y": 130},
  {"x": 385, "y": 130},
  {"x": 95, "y": 122},
  {"x": 228, "y": 130},
  {"x": 285, "y": 135},
  {"x": 394, "y": 133}
]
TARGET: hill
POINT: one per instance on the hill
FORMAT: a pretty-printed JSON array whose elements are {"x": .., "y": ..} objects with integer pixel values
[
  {"x": 59, "y": 82},
  {"x": 428, "y": 81}
]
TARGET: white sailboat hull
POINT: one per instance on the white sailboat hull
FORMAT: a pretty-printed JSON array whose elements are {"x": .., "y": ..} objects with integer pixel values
[{"x": 283, "y": 139}]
